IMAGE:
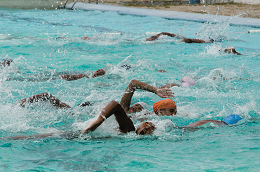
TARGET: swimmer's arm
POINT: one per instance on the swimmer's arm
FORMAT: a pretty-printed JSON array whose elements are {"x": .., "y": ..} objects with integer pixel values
[
  {"x": 125, "y": 123},
  {"x": 43, "y": 97},
  {"x": 134, "y": 84},
  {"x": 203, "y": 122},
  {"x": 69, "y": 77},
  {"x": 29, "y": 137},
  {"x": 168, "y": 34},
  {"x": 189, "y": 40},
  {"x": 152, "y": 38},
  {"x": 169, "y": 85}
]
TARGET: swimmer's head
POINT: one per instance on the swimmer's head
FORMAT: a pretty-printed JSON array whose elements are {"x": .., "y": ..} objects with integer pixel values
[
  {"x": 138, "y": 107},
  {"x": 145, "y": 128},
  {"x": 6, "y": 62},
  {"x": 165, "y": 107},
  {"x": 126, "y": 67},
  {"x": 98, "y": 73},
  {"x": 232, "y": 119},
  {"x": 87, "y": 103},
  {"x": 187, "y": 82}
]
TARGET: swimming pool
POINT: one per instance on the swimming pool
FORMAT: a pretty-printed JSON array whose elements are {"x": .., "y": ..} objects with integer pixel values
[{"x": 28, "y": 37}]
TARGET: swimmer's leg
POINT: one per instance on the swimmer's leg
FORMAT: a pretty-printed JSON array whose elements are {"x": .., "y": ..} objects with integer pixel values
[
  {"x": 28, "y": 137},
  {"x": 125, "y": 123}
]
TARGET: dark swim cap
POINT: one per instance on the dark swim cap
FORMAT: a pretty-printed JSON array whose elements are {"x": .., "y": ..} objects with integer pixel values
[
  {"x": 127, "y": 67},
  {"x": 232, "y": 119},
  {"x": 87, "y": 103}
]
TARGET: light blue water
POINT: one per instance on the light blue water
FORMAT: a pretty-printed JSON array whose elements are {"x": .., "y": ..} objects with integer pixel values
[{"x": 27, "y": 37}]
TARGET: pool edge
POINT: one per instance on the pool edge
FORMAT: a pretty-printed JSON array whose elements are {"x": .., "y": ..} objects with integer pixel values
[{"x": 233, "y": 20}]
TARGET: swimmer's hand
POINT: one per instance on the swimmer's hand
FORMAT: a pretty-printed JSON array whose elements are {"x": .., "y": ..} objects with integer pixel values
[{"x": 164, "y": 93}]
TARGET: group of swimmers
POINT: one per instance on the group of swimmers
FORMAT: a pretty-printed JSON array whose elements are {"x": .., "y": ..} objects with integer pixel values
[
  {"x": 165, "y": 107},
  {"x": 184, "y": 39}
]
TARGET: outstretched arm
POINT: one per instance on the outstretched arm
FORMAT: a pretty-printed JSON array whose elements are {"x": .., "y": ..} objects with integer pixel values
[
  {"x": 69, "y": 77},
  {"x": 203, "y": 122},
  {"x": 134, "y": 84},
  {"x": 29, "y": 137},
  {"x": 44, "y": 97},
  {"x": 189, "y": 40},
  {"x": 152, "y": 38},
  {"x": 125, "y": 123}
]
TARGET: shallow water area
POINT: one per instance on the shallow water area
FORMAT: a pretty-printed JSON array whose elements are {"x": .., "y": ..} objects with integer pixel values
[{"x": 46, "y": 44}]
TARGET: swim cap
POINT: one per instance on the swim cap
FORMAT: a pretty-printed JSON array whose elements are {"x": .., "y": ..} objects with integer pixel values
[
  {"x": 187, "y": 82},
  {"x": 232, "y": 119},
  {"x": 162, "y": 104},
  {"x": 87, "y": 103},
  {"x": 126, "y": 66},
  {"x": 143, "y": 104}
]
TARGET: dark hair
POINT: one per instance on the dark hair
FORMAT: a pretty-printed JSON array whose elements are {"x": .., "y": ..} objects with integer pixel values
[
  {"x": 87, "y": 103},
  {"x": 127, "y": 67}
]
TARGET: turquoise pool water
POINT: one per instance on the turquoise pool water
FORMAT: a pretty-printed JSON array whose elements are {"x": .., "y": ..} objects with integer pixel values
[{"x": 28, "y": 37}]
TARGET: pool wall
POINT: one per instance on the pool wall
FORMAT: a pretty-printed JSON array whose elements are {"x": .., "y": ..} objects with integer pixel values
[
  {"x": 233, "y": 20},
  {"x": 29, "y": 4},
  {"x": 247, "y": 1}
]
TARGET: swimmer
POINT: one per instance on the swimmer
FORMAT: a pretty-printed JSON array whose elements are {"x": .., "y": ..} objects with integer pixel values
[
  {"x": 190, "y": 40},
  {"x": 231, "y": 50},
  {"x": 6, "y": 62},
  {"x": 50, "y": 98},
  {"x": 126, "y": 67},
  {"x": 229, "y": 120},
  {"x": 70, "y": 77},
  {"x": 44, "y": 97},
  {"x": 125, "y": 124},
  {"x": 129, "y": 92},
  {"x": 125, "y": 101},
  {"x": 152, "y": 38},
  {"x": 186, "y": 40},
  {"x": 83, "y": 38},
  {"x": 113, "y": 108},
  {"x": 119, "y": 111}
]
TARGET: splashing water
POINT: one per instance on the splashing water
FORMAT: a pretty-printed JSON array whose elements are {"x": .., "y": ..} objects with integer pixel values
[{"x": 226, "y": 83}]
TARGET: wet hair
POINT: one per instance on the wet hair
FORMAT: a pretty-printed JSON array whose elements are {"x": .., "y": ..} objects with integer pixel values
[
  {"x": 87, "y": 103},
  {"x": 6, "y": 62},
  {"x": 127, "y": 67}
]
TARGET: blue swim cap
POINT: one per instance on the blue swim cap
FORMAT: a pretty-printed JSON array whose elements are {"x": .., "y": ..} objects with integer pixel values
[{"x": 232, "y": 119}]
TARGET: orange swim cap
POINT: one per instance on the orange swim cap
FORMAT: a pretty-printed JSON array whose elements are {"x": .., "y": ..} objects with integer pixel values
[{"x": 162, "y": 104}]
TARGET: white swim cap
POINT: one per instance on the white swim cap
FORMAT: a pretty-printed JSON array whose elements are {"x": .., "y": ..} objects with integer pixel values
[
  {"x": 187, "y": 82},
  {"x": 143, "y": 104}
]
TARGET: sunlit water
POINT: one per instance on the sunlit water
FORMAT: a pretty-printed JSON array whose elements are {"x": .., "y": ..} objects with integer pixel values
[{"x": 28, "y": 37}]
